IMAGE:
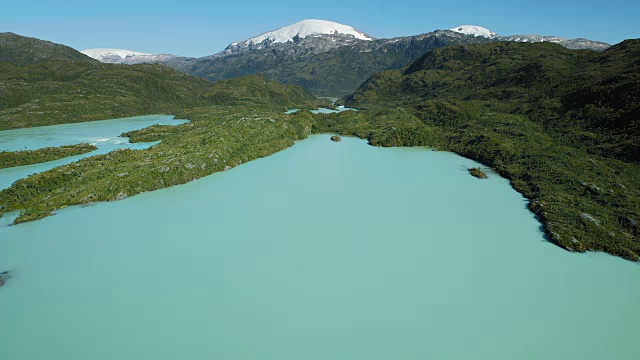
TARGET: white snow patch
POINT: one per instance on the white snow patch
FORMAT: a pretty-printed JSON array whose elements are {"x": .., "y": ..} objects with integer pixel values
[
  {"x": 101, "y": 53},
  {"x": 477, "y": 31},
  {"x": 306, "y": 28}
]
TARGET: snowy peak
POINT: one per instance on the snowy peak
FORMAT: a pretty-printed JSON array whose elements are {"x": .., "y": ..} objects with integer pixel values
[
  {"x": 101, "y": 53},
  {"x": 306, "y": 28},
  {"x": 313, "y": 35},
  {"x": 477, "y": 31},
  {"x": 122, "y": 56}
]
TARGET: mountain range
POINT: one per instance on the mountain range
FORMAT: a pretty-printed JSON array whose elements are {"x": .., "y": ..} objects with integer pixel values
[
  {"x": 129, "y": 57},
  {"x": 328, "y": 58}
]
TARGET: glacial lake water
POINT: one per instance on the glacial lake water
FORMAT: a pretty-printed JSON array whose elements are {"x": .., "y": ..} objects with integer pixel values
[
  {"x": 324, "y": 110},
  {"x": 104, "y": 134},
  {"x": 322, "y": 251}
]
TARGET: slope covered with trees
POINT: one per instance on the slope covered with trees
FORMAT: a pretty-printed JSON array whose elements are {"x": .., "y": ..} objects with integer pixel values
[
  {"x": 42, "y": 83},
  {"x": 562, "y": 125}
]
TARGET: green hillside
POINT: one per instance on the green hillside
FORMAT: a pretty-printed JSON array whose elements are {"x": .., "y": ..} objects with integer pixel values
[
  {"x": 22, "y": 50},
  {"x": 65, "y": 86},
  {"x": 562, "y": 125},
  {"x": 58, "y": 92}
]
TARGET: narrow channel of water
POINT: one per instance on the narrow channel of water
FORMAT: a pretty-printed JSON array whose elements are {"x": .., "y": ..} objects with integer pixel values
[{"x": 104, "y": 134}]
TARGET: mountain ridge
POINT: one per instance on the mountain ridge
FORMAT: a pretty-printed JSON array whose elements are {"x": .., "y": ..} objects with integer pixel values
[
  {"x": 124, "y": 56},
  {"x": 328, "y": 58},
  {"x": 24, "y": 50},
  {"x": 340, "y": 34},
  {"x": 333, "y": 64}
]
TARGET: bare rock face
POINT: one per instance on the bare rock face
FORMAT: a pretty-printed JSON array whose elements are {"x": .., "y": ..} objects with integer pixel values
[{"x": 122, "y": 195}]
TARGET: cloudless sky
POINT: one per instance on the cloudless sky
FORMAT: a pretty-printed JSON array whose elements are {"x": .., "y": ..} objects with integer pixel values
[{"x": 199, "y": 28}]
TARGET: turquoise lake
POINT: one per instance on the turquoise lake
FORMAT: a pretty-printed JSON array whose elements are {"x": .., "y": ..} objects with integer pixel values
[
  {"x": 324, "y": 110},
  {"x": 104, "y": 134},
  {"x": 322, "y": 251}
]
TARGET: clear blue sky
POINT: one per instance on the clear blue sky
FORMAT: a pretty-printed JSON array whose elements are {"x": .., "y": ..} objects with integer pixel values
[{"x": 198, "y": 28}]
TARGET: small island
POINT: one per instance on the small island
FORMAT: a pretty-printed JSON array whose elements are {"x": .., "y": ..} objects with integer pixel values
[
  {"x": 28, "y": 157},
  {"x": 336, "y": 138},
  {"x": 4, "y": 276},
  {"x": 477, "y": 173}
]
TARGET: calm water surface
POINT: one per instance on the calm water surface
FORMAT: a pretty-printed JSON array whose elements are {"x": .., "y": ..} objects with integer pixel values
[
  {"x": 103, "y": 134},
  {"x": 324, "y": 110},
  {"x": 322, "y": 251}
]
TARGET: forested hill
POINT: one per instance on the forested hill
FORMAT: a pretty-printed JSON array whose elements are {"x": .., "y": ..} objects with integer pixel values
[
  {"x": 42, "y": 83},
  {"x": 554, "y": 86},
  {"x": 561, "y": 124},
  {"x": 22, "y": 50}
]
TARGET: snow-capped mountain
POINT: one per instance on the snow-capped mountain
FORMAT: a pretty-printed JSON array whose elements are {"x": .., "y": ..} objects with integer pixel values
[
  {"x": 479, "y": 31},
  {"x": 311, "y": 28},
  {"x": 325, "y": 57},
  {"x": 473, "y": 30},
  {"x": 308, "y": 27},
  {"x": 575, "y": 44},
  {"x": 122, "y": 56}
]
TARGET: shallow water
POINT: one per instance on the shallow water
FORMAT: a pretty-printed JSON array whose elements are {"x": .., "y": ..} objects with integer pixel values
[
  {"x": 104, "y": 134},
  {"x": 322, "y": 251},
  {"x": 329, "y": 111}
]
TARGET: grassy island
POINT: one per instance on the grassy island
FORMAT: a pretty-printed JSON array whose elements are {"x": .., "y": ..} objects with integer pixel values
[
  {"x": 27, "y": 157},
  {"x": 476, "y": 172}
]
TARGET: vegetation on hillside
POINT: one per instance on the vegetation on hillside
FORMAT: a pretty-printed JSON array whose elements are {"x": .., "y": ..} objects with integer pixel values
[
  {"x": 22, "y": 50},
  {"x": 27, "y": 157},
  {"x": 70, "y": 87},
  {"x": 217, "y": 139},
  {"x": 562, "y": 125}
]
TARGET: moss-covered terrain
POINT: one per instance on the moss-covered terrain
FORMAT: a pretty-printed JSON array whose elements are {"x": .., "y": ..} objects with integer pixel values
[
  {"x": 42, "y": 83},
  {"x": 561, "y": 125},
  {"x": 27, "y": 157}
]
